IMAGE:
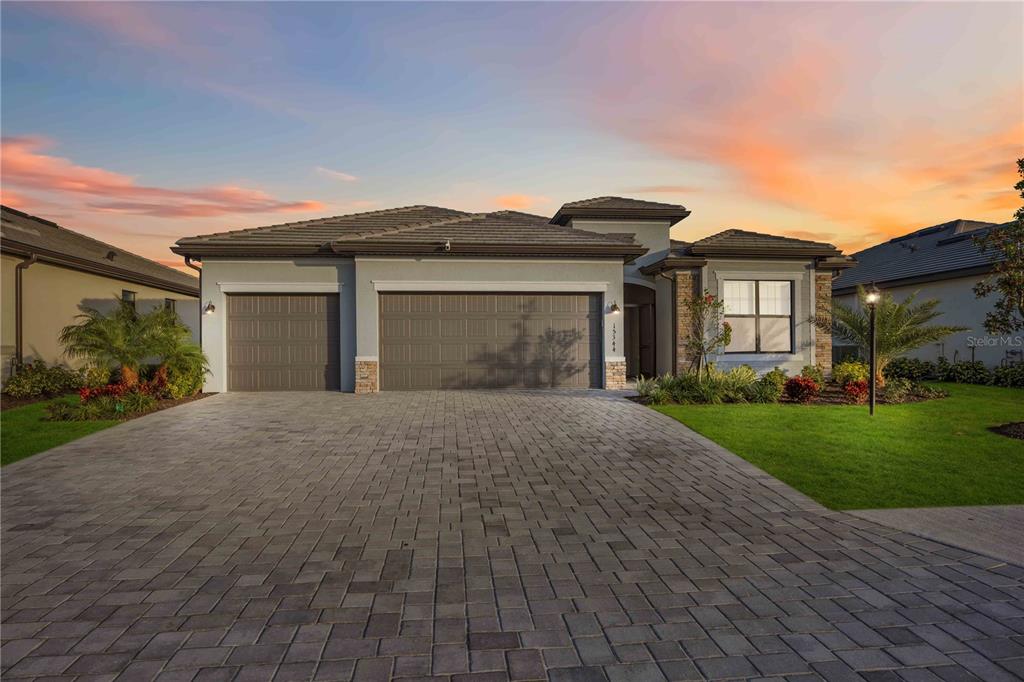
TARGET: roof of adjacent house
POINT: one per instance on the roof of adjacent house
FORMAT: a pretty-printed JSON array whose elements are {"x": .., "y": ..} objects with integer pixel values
[
  {"x": 26, "y": 235},
  {"x": 413, "y": 230},
  {"x": 619, "y": 207},
  {"x": 931, "y": 253}
]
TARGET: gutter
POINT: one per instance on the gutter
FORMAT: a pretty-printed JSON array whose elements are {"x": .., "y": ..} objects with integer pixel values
[
  {"x": 19, "y": 327},
  {"x": 86, "y": 265}
]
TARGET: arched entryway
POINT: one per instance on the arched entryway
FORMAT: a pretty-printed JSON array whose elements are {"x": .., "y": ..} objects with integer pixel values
[{"x": 640, "y": 325}]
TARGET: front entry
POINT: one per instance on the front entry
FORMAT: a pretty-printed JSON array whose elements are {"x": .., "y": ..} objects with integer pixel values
[{"x": 640, "y": 328}]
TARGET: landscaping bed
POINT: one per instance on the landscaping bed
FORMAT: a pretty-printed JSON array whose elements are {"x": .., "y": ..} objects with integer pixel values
[{"x": 1011, "y": 430}]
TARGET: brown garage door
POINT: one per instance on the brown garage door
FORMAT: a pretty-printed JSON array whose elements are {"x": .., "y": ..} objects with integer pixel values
[
  {"x": 430, "y": 341},
  {"x": 280, "y": 342}
]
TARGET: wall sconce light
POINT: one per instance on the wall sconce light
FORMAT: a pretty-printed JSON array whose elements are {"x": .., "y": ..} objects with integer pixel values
[
  {"x": 209, "y": 309},
  {"x": 614, "y": 308}
]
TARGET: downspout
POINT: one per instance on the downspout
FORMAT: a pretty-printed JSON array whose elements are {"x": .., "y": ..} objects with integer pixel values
[
  {"x": 18, "y": 324},
  {"x": 189, "y": 263}
]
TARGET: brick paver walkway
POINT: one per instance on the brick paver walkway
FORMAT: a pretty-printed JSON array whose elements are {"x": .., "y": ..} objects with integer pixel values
[{"x": 466, "y": 536}]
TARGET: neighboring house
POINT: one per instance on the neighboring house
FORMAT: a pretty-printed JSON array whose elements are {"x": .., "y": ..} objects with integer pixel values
[
  {"x": 48, "y": 271},
  {"x": 941, "y": 262},
  {"x": 422, "y": 297}
]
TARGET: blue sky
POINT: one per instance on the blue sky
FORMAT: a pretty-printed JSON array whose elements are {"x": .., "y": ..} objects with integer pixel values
[{"x": 143, "y": 122}]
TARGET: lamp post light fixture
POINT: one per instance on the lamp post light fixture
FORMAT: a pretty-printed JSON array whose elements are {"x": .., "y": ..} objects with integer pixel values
[{"x": 872, "y": 297}]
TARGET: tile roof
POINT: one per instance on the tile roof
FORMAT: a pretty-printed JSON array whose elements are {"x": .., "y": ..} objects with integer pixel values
[
  {"x": 934, "y": 252},
  {"x": 744, "y": 242},
  {"x": 26, "y": 234},
  {"x": 416, "y": 229},
  {"x": 622, "y": 208}
]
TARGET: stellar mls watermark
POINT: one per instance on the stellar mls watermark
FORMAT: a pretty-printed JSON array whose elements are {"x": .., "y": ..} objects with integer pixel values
[{"x": 995, "y": 341}]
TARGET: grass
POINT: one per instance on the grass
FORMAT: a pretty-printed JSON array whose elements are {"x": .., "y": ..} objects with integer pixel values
[
  {"x": 23, "y": 432},
  {"x": 934, "y": 453}
]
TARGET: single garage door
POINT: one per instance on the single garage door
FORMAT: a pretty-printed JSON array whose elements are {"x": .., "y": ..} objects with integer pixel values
[
  {"x": 283, "y": 342},
  {"x": 485, "y": 340}
]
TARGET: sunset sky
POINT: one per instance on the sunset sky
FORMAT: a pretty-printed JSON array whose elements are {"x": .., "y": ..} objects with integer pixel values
[{"x": 850, "y": 123}]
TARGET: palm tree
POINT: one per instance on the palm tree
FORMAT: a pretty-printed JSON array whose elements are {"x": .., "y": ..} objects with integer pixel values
[
  {"x": 900, "y": 327},
  {"x": 126, "y": 338}
]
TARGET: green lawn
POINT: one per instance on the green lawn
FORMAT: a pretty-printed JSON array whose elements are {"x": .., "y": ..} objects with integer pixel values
[
  {"x": 23, "y": 432},
  {"x": 935, "y": 453}
]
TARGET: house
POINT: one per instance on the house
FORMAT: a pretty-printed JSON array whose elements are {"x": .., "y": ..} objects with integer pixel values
[
  {"x": 48, "y": 271},
  {"x": 423, "y": 297},
  {"x": 939, "y": 262}
]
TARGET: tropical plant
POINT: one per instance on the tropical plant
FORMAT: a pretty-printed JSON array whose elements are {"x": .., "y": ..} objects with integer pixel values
[
  {"x": 708, "y": 331},
  {"x": 126, "y": 338},
  {"x": 1007, "y": 276},
  {"x": 802, "y": 389},
  {"x": 813, "y": 372},
  {"x": 856, "y": 391},
  {"x": 900, "y": 327},
  {"x": 850, "y": 371}
]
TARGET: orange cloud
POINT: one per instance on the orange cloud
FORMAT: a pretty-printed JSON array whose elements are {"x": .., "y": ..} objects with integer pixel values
[
  {"x": 663, "y": 189},
  {"x": 519, "y": 202},
  {"x": 26, "y": 168}
]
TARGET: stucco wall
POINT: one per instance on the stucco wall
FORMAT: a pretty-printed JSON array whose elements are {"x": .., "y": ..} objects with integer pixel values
[
  {"x": 274, "y": 276},
  {"x": 51, "y": 299},
  {"x": 441, "y": 274},
  {"x": 959, "y": 307},
  {"x": 653, "y": 235},
  {"x": 800, "y": 274}
]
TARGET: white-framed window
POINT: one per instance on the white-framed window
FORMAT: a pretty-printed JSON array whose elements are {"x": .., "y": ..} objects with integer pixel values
[{"x": 760, "y": 313}]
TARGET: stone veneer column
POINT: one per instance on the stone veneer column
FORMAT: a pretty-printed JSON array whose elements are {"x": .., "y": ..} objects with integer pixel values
[
  {"x": 687, "y": 286},
  {"x": 615, "y": 375},
  {"x": 366, "y": 376},
  {"x": 823, "y": 310}
]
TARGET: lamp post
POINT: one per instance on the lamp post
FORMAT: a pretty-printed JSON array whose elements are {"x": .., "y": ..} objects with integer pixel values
[{"x": 872, "y": 297}]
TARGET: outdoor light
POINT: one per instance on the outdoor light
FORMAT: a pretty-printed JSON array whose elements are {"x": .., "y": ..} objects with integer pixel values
[
  {"x": 872, "y": 296},
  {"x": 614, "y": 309},
  {"x": 209, "y": 309}
]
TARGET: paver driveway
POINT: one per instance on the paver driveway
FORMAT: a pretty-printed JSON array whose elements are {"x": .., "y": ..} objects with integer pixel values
[{"x": 474, "y": 535}]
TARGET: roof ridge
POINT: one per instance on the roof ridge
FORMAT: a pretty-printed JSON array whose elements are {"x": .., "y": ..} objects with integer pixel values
[
  {"x": 321, "y": 221},
  {"x": 411, "y": 227},
  {"x": 107, "y": 245}
]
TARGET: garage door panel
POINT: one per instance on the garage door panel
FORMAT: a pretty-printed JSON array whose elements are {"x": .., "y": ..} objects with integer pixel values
[
  {"x": 458, "y": 340},
  {"x": 279, "y": 342}
]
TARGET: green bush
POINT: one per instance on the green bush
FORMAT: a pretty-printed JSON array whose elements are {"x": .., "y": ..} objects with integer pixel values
[
  {"x": 184, "y": 382},
  {"x": 121, "y": 406},
  {"x": 94, "y": 377},
  {"x": 849, "y": 372},
  {"x": 968, "y": 372},
  {"x": 897, "y": 390},
  {"x": 768, "y": 388},
  {"x": 737, "y": 385},
  {"x": 909, "y": 368},
  {"x": 36, "y": 380},
  {"x": 813, "y": 372},
  {"x": 1011, "y": 377}
]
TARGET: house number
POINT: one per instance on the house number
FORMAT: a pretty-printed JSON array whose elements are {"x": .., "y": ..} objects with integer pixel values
[{"x": 615, "y": 331}]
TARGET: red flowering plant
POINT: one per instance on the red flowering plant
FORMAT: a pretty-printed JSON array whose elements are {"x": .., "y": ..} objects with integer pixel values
[
  {"x": 856, "y": 391},
  {"x": 708, "y": 332},
  {"x": 802, "y": 389},
  {"x": 155, "y": 387}
]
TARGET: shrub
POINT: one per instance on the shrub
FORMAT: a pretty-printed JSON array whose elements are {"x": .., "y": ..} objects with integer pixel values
[
  {"x": 737, "y": 385},
  {"x": 36, "y": 380},
  {"x": 768, "y": 389},
  {"x": 182, "y": 383},
  {"x": 857, "y": 390},
  {"x": 850, "y": 371},
  {"x": 909, "y": 368},
  {"x": 963, "y": 372},
  {"x": 897, "y": 390},
  {"x": 1011, "y": 377},
  {"x": 94, "y": 377},
  {"x": 813, "y": 372},
  {"x": 802, "y": 389}
]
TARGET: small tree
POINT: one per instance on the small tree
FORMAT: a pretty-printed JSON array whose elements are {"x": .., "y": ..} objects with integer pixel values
[
  {"x": 708, "y": 332},
  {"x": 900, "y": 327},
  {"x": 1007, "y": 277},
  {"x": 126, "y": 338}
]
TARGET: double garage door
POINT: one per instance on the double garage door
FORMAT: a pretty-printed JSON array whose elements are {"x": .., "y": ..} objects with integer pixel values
[{"x": 427, "y": 341}]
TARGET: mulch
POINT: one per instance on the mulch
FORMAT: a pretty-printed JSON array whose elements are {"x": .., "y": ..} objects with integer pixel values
[{"x": 1011, "y": 430}]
